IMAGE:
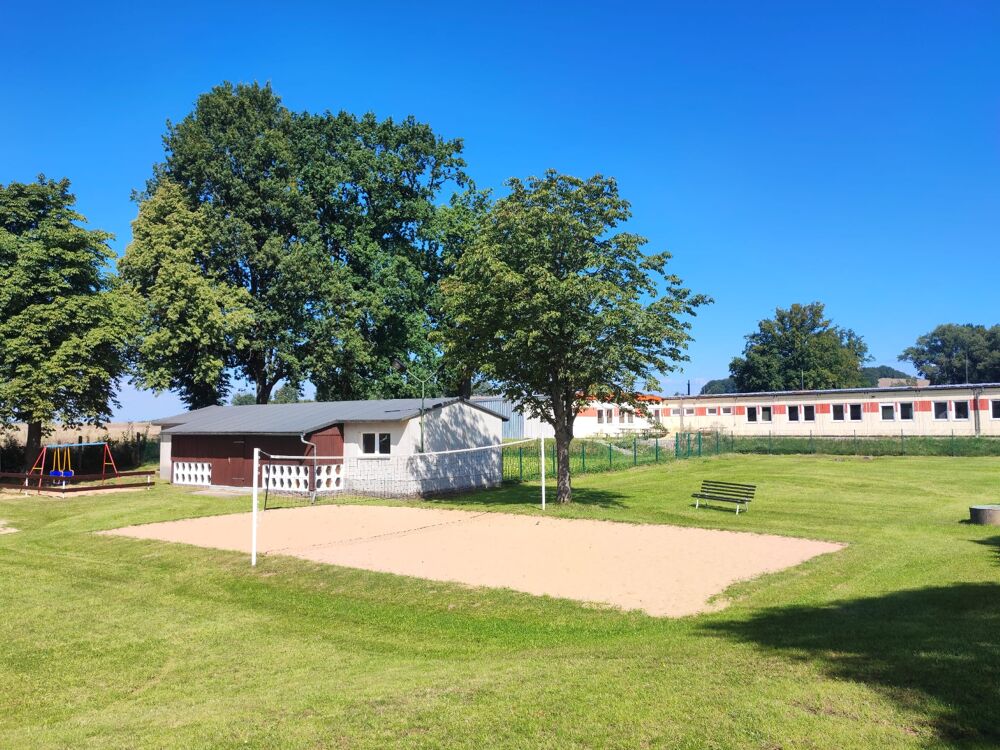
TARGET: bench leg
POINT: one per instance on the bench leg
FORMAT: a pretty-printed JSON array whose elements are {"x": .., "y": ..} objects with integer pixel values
[{"x": 737, "y": 508}]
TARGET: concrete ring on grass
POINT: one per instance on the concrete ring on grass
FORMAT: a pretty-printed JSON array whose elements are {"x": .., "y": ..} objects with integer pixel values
[{"x": 985, "y": 515}]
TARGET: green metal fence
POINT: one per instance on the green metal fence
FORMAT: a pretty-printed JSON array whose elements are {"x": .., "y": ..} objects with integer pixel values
[
  {"x": 586, "y": 456},
  {"x": 591, "y": 455}
]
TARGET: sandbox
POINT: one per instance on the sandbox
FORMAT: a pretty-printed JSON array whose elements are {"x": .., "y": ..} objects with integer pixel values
[{"x": 663, "y": 570}]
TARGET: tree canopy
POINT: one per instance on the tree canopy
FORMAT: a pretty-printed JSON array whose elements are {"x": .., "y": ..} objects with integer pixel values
[
  {"x": 64, "y": 326},
  {"x": 313, "y": 232},
  {"x": 954, "y": 353},
  {"x": 799, "y": 348},
  {"x": 721, "y": 385},
  {"x": 557, "y": 309},
  {"x": 871, "y": 375}
]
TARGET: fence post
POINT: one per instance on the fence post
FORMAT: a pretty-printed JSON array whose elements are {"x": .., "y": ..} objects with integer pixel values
[
  {"x": 699, "y": 445},
  {"x": 769, "y": 442},
  {"x": 855, "y": 442},
  {"x": 902, "y": 443},
  {"x": 656, "y": 449},
  {"x": 635, "y": 451},
  {"x": 583, "y": 457},
  {"x": 520, "y": 462},
  {"x": 718, "y": 441},
  {"x": 953, "y": 443},
  {"x": 812, "y": 445},
  {"x": 689, "y": 446},
  {"x": 677, "y": 445},
  {"x": 611, "y": 460}
]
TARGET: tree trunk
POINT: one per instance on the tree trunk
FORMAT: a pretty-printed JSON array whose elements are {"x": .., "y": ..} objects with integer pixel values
[
  {"x": 32, "y": 444},
  {"x": 563, "y": 417},
  {"x": 564, "y": 489}
]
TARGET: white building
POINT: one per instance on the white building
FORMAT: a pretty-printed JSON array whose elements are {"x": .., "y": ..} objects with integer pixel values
[
  {"x": 910, "y": 410},
  {"x": 384, "y": 447}
]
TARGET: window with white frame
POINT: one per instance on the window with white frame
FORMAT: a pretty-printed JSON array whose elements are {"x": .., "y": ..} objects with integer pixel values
[
  {"x": 600, "y": 416},
  {"x": 765, "y": 414},
  {"x": 751, "y": 414},
  {"x": 906, "y": 411},
  {"x": 995, "y": 412},
  {"x": 793, "y": 413},
  {"x": 838, "y": 412},
  {"x": 675, "y": 412},
  {"x": 961, "y": 410},
  {"x": 888, "y": 412},
  {"x": 856, "y": 412},
  {"x": 713, "y": 411},
  {"x": 808, "y": 413},
  {"x": 621, "y": 416},
  {"x": 689, "y": 410},
  {"x": 375, "y": 443},
  {"x": 940, "y": 410},
  {"x": 631, "y": 417},
  {"x": 727, "y": 410}
]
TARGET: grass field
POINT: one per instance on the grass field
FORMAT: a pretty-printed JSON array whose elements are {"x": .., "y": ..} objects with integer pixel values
[{"x": 893, "y": 642}]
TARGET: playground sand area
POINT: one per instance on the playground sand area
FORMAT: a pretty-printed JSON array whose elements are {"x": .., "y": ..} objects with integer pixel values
[{"x": 665, "y": 571}]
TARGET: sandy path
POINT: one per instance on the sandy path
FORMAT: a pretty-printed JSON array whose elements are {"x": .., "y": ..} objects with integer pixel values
[{"x": 663, "y": 570}]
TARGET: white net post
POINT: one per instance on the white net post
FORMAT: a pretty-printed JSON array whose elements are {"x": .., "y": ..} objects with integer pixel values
[
  {"x": 541, "y": 463},
  {"x": 253, "y": 522}
]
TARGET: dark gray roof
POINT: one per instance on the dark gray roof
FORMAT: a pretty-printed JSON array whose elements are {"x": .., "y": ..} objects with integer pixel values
[
  {"x": 183, "y": 417},
  {"x": 295, "y": 419}
]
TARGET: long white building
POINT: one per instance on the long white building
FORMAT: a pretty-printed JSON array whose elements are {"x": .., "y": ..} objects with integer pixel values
[
  {"x": 910, "y": 410},
  {"x": 928, "y": 410}
]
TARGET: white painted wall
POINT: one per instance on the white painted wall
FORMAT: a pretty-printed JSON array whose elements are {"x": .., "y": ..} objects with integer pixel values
[{"x": 165, "y": 465}]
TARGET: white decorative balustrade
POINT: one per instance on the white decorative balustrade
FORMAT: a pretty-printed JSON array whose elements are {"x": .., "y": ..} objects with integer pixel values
[
  {"x": 195, "y": 473},
  {"x": 330, "y": 478},
  {"x": 284, "y": 478}
]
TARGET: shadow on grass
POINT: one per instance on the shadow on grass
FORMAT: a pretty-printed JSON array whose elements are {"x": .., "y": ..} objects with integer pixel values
[
  {"x": 941, "y": 644},
  {"x": 519, "y": 494},
  {"x": 994, "y": 542}
]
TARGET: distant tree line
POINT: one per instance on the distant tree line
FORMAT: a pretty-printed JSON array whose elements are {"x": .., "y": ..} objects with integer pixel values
[{"x": 801, "y": 349}]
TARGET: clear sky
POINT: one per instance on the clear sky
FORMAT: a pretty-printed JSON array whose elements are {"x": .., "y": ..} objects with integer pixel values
[{"x": 847, "y": 152}]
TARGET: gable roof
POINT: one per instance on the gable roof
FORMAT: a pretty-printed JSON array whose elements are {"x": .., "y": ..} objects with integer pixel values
[{"x": 296, "y": 419}]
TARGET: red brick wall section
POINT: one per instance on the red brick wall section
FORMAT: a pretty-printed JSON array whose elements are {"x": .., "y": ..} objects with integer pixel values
[
  {"x": 739, "y": 410},
  {"x": 780, "y": 409},
  {"x": 870, "y": 407},
  {"x": 822, "y": 408},
  {"x": 922, "y": 406},
  {"x": 700, "y": 411},
  {"x": 981, "y": 405}
]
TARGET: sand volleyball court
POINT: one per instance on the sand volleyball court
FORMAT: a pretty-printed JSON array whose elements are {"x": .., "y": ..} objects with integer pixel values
[{"x": 663, "y": 570}]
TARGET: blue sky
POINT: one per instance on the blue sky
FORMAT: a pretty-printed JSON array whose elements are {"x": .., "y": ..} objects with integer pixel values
[{"x": 783, "y": 152}]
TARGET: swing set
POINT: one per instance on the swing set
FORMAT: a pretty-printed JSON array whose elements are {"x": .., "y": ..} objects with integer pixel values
[
  {"x": 53, "y": 471},
  {"x": 62, "y": 461}
]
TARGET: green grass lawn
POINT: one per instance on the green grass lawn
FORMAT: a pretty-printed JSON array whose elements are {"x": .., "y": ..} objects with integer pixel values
[{"x": 893, "y": 642}]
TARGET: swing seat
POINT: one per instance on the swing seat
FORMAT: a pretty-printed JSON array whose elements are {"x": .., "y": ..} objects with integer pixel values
[
  {"x": 55, "y": 473},
  {"x": 68, "y": 473}
]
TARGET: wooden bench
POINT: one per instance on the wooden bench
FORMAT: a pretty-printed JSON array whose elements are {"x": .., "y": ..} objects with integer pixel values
[{"x": 727, "y": 492}]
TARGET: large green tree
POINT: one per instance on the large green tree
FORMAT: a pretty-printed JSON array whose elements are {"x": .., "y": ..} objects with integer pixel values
[
  {"x": 557, "y": 308},
  {"x": 799, "y": 348},
  {"x": 954, "y": 353},
  {"x": 193, "y": 317},
  {"x": 64, "y": 326},
  {"x": 313, "y": 236}
]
